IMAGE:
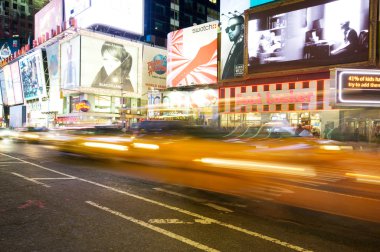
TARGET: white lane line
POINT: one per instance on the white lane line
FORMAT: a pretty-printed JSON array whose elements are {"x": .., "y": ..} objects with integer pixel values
[
  {"x": 30, "y": 179},
  {"x": 198, "y": 216},
  {"x": 6, "y": 162},
  {"x": 168, "y": 221},
  {"x": 199, "y": 200},
  {"x": 52, "y": 178},
  {"x": 154, "y": 228}
]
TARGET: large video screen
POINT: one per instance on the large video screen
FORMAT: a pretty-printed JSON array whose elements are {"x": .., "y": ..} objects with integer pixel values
[
  {"x": 122, "y": 15},
  {"x": 48, "y": 18},
  {"x": 110, "y": 64},
  {"x": 17, "y": 86},
  {"x": 232, "y": 38},
  {"x": 192, "y": 55},
  {"x": 33, "y": 75},
  {"x": 300, "y": 35},
  {"x": 8, "y": 86},
  {"x": 70, "y": 62}
]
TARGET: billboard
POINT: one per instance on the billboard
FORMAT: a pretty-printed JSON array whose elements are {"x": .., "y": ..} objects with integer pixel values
[
  {"x": 4, "y": 99},
  {"x": 8, "y": 86},
  {"x": 192, "y": 55},
  {"x": 118, "y": 15},
  {"x": 232, "y": 38},
  {"x": 17, "y": 116},
  {"x": 33, "y": 75},
  {"x": 8, "y": 47},
  {"x": 17, "y": 86},
  {"x": 259, "y": 2},
  {"x": 202, "y": 98},
  {"x": 357, "y": 87},
  {"x": 48, "y": 18},
  {"x": 317, "y": 33},
  {"x": 110, "y": 65},
  {"x": 55, "y": 102},
  {"x": 70, "y": 62},
  {"x": 154, "y": 68}
]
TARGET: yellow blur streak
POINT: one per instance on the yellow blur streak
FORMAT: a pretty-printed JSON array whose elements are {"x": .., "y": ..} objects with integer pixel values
[
  {"x": 146, "y": 146},
  {"x": 365, "y": 178},
  {"x": 330, "y": 147},
  {"x": 106, "y": 146},
  {"x": 258, "y": 166},
  {"x": 33, "y": 136}
]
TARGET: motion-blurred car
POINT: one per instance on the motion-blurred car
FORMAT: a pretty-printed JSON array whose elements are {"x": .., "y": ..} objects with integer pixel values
[
  {"x": 30, "y": 134},
  {"x": 6, "y": 133}
]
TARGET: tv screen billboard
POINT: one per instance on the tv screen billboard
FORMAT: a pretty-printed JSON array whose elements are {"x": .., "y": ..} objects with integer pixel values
[
  {"x": 48, "y": 18},
  {"x": 192, "y": 55},
  {"x": 17, "y": 86},
  {"x": 232, "y": 38},
  {"x": 121, "y": 15},
  {"x": 111, "y": 65},
  {"x": 8, "y": 47},
  {"x": 33, "y": 75},
  {"x": 70, "y": 62},
  {"x": 8, "y": 86},
  {"x": 154, "y": 68},
  {"x": 308, "y": 34}
]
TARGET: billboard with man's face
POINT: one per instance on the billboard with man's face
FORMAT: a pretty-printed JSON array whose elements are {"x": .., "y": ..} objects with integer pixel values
[
  {"x": 232, "y": 38},
  {"x": 308, "y": 34},
  {"x": 110, "y": 65},
  {"x": 192, "y": 55}
]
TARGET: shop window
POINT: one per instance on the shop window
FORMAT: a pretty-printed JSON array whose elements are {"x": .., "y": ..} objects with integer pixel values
[
  {"x": 266, "y": 87},
  {"x": 254, "y": 108},
  {"x": 291, "y": 106},
  {"x": 305, "y": 84},
  {"x": 266, "y": 107},
  {"x": 292, "y": 85},
  {"x": 232, "y": 92},
  {"x": 305, "y": 106},
  {"x": 243, "y": 90},
  {"x": 278, "y": 86},
  {"x": 243, "y": 109},
  {"x": 254, "y": 88},
  {"x": 278, "y": 107}
]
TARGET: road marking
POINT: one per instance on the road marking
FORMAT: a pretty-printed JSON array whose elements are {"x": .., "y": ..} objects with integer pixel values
[
  {"x": 30, "y": 179},
  {"x": 154, "y": 228},
  {"x": 5, "y": 162},
  {"x": 168, "y": 221},
  {"x": 29, "y": 203},
  {"x": 51, "y": 178},
  {"x": 203, "y": 201},
  {"x": 198, "y": 216}
]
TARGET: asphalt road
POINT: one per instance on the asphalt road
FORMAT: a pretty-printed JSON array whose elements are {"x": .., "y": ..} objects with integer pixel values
[{"x": 52, "y": 202}]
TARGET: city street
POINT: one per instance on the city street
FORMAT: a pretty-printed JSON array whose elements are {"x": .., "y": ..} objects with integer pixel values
[{"x": 55, "y": 202}]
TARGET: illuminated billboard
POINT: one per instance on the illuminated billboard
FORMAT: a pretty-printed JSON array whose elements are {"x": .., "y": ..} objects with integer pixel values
[
  {"x": 4, "y": 99},
  {"x": 232, "y": 38},
  {"x": 259, "y": 2},
  {"x": 312, "y": 34},
  {"x": 118, "y": 15},
  {"x": 8, "y": 86},
  {"x": 8, "y": 47},
  {"x": 17, "y": 86},
  {"x": 48, "y": 18},
  {"x": 154, "y": 68},
  {"x": 358, "y": 87},
  {"x": 33, "y": 75},
  {"x": 70, "y": 70},
  {"x": 192, "y": 55},
  {"x": 110, "y": 65}
]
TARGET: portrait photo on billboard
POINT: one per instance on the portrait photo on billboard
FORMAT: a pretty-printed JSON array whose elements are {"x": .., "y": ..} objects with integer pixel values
[
  {"x": 192, "y": 55},
  {"x": 232, "y": 38},
  {"x": 17, "y": 86},
  {"x": 308, "y": 34},
  {"x": 70, "y": 70},
  {"x": 33, "y": 75},
  {"x": 109, "y": 65}
]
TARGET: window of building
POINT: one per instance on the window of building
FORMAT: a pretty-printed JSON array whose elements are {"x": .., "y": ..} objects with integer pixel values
[
  {"x": 292, "y": 85},
  {"x": 305, "y": 84},
  {"x": 305, "y": 106},
  {"x": 158, "y": 26},
  {"x": 15, "y": 6},
  {"x": 160, "y": 9},
  {"x": 266, "y": 107},
  {"x": 188, "y": 4},
  {"x": 243, "y": 108},
  {"x": 278, "y": 107},
  {"x": 291, "y": 106},
  {"x": 6, "y": 4},
  {"x": 254, "y": 108},
  {"x": 201, "y": 9},
  {"x": 174, "y": 1},
  {"x": 243, "y": 89},
  {"x": 200, "y": 21},
  {"x": 278, "y": 86},
  {"x": 188, "y": 19},
  {"x": 266, "y": 87},
  {"x": 254, "y": 88},
  {"x": 174, "y": 14},
  {"x": 213, "y": 14}
]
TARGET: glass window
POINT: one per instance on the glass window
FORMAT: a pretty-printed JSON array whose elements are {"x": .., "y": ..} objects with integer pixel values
[
  {"x": 174, "y": 15},
  {"x": 160, "y": 9},
  {"x": 266, "y": 107},
  {"x": 201, "y": 8},
  {"x": 266, "y": 87},
  {"x": 278, "y": 107},
  {"x": 158, "y": 26},
  {"x": 292, "y": 85},
  {"x": 305, "y": 84},
  {"x": 254, "y": 88},
  {"x": 278, "y": 86},
  {"x": 243, "y": 89}
]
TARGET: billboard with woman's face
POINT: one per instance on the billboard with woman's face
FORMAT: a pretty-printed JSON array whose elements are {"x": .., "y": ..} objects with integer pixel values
[
  {"x": 33, "y": 75},
  {"x": 110, "y": 65},
  {"x": 308, "y": 34}
]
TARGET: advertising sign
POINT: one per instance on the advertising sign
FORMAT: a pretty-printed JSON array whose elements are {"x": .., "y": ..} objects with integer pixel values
[
  {"x": 17, "y": 86},
  {"x": 120, "y": 15},
  {"x": 70, "y": 62},
  {"x": 48, "y": 18},
  {"x": 191, "y": 99},
  {"x": 33, "y": 75},
  {"x": 232, "y": 38},
  {"x": 154, "y": 68},
  {"x": 111, "y": 65},
  {"x": 192, "y": 55},
  {"x": 4, "y": 99},
  {"x": 55, "y": 102},
  {"x": 259, "y": 2},
  {"x": 8, "y": 84},
  {"x": 358, "y": 87},
  {"x": 307, "y": 34},
  {"x": 17, "y": 116}
]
